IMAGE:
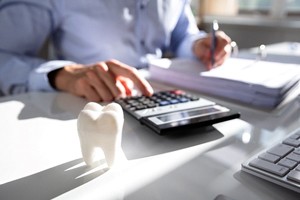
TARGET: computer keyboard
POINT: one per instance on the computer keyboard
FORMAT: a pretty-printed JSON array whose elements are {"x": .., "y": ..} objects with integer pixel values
[{"x": 279, "y": 164}]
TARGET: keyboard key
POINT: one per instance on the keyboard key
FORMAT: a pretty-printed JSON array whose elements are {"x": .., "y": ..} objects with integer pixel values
[
  {"x": 293, "y": 156},
  {"x": 292, "y": 142},
  {"x": 294, "y": 176},
  {"x": 287, "y": 163},
  {"x": 281, "y": 150},
  {"x": 269, "y": 157},
  {"x": 297, "y": 151},
  {"x": 295, "y": 136},
  {"x": 286, "y": 170},
  {"x": 269, "y": 167}
]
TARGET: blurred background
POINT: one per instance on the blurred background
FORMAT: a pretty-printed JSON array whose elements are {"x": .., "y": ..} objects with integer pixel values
[{"x": 251, "y": 22}]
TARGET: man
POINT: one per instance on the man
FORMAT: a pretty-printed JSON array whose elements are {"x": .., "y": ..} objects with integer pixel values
[{"x": 97, "y": 43}]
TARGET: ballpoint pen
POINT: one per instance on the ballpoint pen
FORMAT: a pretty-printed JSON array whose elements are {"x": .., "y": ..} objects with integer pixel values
[{"x": 215, "y": 28}]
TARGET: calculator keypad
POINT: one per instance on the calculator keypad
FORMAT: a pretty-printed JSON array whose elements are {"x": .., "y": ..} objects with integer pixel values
[
  {"x": 158, "y": 99},
  {"x": 162, "y": 102}
]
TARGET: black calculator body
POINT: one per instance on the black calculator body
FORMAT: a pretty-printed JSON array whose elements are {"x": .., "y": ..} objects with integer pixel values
[{"x": 169, "y": 111}]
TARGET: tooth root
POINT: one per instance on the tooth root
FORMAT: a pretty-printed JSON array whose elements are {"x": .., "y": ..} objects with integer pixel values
[
  {"x": 88, "y": 152},
  {"x": 110, "y": 154}
]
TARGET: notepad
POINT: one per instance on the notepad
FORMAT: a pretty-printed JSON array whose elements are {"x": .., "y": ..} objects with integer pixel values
[{"x": 259, "y": 83}]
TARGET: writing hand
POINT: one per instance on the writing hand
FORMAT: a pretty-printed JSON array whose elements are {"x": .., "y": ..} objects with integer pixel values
[{"x": 202, "y": 49}]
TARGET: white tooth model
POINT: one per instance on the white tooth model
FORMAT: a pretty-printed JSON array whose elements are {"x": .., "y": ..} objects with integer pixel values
[{"x": 101, "y": 127}]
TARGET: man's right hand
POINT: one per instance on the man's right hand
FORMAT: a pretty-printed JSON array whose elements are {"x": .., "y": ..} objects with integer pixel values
[{"x": 103, "y": 81}]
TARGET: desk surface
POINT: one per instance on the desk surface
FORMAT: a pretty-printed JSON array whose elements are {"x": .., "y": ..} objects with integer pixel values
[{"x": 41, "y": 158}]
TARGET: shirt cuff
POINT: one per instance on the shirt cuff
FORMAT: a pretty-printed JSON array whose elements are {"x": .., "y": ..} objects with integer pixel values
[
  {"x": 38, "y": 79},
  {"x": 185, "y": 50}
]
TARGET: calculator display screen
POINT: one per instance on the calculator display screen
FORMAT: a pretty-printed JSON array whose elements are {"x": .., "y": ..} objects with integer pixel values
[
  {"x": 182, "y": 115},
  {"x": 188, "y": 118}
]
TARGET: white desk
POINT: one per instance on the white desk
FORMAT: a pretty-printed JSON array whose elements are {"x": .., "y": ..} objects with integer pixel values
[{"x": 41, "y": 159}]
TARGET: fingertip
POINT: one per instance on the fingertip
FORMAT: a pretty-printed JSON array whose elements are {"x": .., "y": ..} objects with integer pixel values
[
  {"x": 150, "y": 91},
  {"x": 208, "y": 65}
]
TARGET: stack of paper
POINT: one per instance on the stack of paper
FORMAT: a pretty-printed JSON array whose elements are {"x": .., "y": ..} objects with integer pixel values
[{"x": 259, "y": 83}]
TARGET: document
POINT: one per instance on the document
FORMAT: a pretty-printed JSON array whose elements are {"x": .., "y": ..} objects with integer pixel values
[{"x": 259, "y": 83}]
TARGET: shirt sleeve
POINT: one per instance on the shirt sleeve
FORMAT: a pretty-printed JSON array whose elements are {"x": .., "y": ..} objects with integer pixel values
[
  {"x": 38, "y": 78},
  {"x": 24, "y": 29},
  {"x": 185, "y": 34}
]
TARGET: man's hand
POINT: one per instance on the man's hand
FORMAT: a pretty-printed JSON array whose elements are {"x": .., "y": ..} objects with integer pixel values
[
  {"x": 103, "y": 81},
  {"x": 202, "y": 48}
]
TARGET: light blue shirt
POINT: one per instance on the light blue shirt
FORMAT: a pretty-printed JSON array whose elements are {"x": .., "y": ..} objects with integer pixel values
[{"x": 88, "y": 31}]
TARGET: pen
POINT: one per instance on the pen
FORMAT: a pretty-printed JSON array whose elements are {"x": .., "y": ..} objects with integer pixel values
[{"x": 215, "y": 28}]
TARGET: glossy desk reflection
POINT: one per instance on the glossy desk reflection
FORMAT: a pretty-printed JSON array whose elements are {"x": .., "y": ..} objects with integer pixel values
[{"x": 41, "y": 158}]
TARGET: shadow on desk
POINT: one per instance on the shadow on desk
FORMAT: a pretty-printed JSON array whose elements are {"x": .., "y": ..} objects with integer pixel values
[
  {"x": 139, "y": 141},
  {"x": 49, "y": 183}
]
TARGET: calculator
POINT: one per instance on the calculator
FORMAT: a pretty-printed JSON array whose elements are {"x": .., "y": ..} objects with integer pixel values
[{"x": 168, "y": 111}]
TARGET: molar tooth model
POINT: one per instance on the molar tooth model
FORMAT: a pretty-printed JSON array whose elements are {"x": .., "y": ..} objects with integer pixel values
[{"x": 101, "y": 127}]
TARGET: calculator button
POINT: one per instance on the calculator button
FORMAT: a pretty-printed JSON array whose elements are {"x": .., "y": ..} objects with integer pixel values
[
  {"x": 164, "y": 103},
  {"x": 192, "y": 98},
  {"x": 178, "y": 92},
  {"x": 183, "y": 99},
  {"x": 140, "y": 107},
  {"x": 174, "y": 101},
  {"x": 151, "y": 105},
  {"x": 132, "y": 108}
]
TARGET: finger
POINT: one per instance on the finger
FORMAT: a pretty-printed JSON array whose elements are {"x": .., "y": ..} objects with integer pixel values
[
  {"x": 221, "y": 58},
  {"x": 223, "y": 55},
  {"x": 202, "y": 47},
  {"x": 208, "y": 64},
  {"x": 123, "y": 89},
  {"x": 220, "y": 61},
  {"x": 102, "y": 90},
  {"x": 120, "y": 69},
  {"x": 127, "y": 84},
  {"x": 223, "y": 42},
  {"x": 202, "y": 51},
  {"x": 109, "y": 79},
  {"x": 84, "y": 89}
]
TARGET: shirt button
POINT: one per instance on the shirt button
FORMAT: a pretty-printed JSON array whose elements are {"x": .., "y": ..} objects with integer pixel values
[
  {"x": 142, "y": 6},
  {"x": 142, "y": 42}
]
